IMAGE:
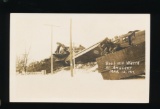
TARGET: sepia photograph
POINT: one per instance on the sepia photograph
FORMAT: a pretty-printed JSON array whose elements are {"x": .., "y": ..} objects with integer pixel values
[{"x": 79, "y": 58}]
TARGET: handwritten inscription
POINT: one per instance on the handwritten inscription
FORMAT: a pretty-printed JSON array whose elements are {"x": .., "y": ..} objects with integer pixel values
[
  {"x": 132, "y": 63},
  {"x": 121, "y": 67}
]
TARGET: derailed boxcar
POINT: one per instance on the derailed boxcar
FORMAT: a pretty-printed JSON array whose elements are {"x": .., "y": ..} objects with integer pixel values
[{"x": 127, "y": 62}]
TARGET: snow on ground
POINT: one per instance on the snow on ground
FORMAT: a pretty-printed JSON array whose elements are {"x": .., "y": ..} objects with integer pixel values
[
  {"x": 59, "y": 86},
  {"x": 86, "y": 85}
]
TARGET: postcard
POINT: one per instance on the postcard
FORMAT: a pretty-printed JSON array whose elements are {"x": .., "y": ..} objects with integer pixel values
[{"x": 79, "y": 58}]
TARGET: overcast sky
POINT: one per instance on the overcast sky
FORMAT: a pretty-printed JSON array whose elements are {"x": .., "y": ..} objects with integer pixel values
[{"x": 32, "y": 30}]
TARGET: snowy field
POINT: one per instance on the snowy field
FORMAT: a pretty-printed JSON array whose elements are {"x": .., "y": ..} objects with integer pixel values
[{"x": 84, "y": 86}]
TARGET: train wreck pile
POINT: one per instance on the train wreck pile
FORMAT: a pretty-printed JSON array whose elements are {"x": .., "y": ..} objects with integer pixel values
[
  {"x": 127, "y": 62},
  {"x": 62, "y": 52},
  {"x": 114, "y": 58}
]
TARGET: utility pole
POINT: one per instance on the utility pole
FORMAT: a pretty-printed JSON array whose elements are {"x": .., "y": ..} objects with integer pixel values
[
  {"x": 74, "y": 63},
  {"x": 51, "y": 45},
  {"x": 71, "y": 49}
]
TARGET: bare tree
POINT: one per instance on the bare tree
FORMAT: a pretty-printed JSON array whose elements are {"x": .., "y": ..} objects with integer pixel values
[{"x": 21, "y": 62}]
